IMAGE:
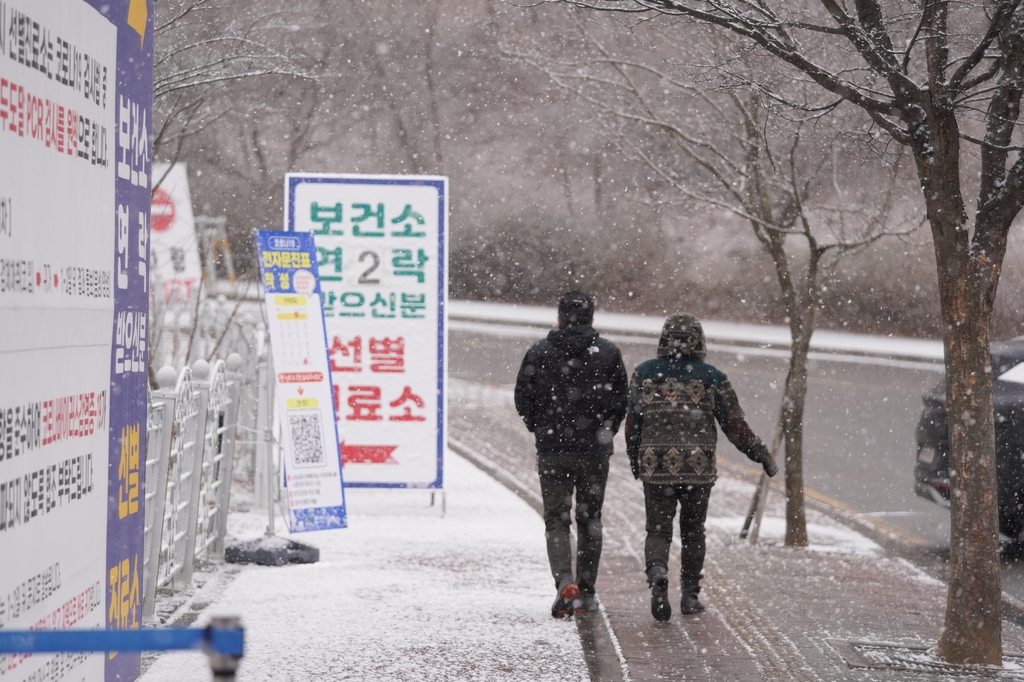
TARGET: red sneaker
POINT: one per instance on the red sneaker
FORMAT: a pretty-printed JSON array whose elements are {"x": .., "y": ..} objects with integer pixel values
[{"x": 567, "y": 593}]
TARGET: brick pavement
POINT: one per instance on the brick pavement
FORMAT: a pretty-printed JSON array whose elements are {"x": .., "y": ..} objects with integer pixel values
[{"x": 771, "y": 610}]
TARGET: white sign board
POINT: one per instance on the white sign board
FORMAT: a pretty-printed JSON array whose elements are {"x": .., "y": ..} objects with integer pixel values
[
  {"x": 176, "y": 270},
  {"x": 75, "y": 109},
  {"x": 305, "y": 400},
  {"x": 381, "y": 250}
]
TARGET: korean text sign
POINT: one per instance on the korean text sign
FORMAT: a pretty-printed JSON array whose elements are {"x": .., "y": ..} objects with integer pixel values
[
  {"x": 291, "y": 292},
  {"x": 381, "y": 250},
  {"x": 175, "y": 269},
  {"x": 76, "y": 89}
]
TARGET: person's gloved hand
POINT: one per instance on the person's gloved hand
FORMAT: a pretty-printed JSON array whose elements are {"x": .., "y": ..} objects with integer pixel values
[
  {"x": 634, "y": 465},
  {"x": 765, "y": 459}
]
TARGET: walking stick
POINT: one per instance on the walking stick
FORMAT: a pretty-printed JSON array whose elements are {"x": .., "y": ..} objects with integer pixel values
[
  {"x": 760, "y": 491},
  {"x": 752, "y": 524}
]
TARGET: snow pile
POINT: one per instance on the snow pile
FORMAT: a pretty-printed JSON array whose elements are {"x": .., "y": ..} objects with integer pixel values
[
  {"x": 827, "y": 536},
  {"x": 403, "y": 594}
]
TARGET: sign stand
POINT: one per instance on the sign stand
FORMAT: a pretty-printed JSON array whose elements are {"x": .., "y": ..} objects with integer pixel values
[
  {"x": 304, "y": 392},
  {"x": 269, "y": 550}
]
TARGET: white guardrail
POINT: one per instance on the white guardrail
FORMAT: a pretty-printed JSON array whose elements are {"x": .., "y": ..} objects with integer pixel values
[
  {"x": 467, "y": 314},
  {"x": 190, "y": 449}
]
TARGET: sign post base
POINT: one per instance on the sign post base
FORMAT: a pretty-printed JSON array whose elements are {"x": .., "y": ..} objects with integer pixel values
[{"x": 271, "y": 551}]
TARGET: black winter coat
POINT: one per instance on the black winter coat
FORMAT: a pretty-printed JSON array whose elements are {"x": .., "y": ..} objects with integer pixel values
[{"x": 572, "y": 391}]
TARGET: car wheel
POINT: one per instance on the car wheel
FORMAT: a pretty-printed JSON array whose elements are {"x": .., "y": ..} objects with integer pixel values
[{"x": 1011, "y": 522}]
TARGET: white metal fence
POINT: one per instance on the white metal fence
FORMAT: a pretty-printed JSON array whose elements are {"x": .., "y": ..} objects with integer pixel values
[{"x": 190, "y": 439}]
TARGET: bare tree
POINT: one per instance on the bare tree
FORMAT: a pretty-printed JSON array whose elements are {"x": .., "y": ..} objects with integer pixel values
[
  {"x": 941, "y": 78},
  {"x": 727, "y": 148},
  {"x": 200, "y": 46}
]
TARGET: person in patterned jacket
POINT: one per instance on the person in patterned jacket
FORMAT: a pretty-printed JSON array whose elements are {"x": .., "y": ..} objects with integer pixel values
[{"x": 675, "y": 400}]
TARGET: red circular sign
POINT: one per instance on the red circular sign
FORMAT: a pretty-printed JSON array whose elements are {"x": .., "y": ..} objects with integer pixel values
[{"x": 162, "y": 210}]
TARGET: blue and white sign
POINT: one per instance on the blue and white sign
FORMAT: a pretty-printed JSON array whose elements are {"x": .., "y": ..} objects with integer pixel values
[
  {"x": 76, "y": 88},
  {"x": 305, "y": 397},
  {"x": 381, "y": 245}
]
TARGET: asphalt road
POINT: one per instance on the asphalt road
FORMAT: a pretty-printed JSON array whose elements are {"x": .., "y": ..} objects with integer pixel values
[{"x": 859, "y": 426}]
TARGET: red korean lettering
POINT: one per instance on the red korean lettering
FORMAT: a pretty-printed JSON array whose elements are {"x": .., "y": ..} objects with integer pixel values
[
  {"x": 406, "y": 415},
  {"x": 387, "y": 355},
  {"x": 346, "y": 356},
  {"x": 365, "y": 403}
]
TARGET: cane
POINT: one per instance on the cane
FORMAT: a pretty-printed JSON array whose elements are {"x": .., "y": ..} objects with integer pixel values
[{"x": 752, "y": 524}]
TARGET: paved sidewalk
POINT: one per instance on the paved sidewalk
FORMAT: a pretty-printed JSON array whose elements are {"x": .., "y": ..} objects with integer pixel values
[
  {"x": 774, "y": 613},
  {"x": 824, "y": 612}
]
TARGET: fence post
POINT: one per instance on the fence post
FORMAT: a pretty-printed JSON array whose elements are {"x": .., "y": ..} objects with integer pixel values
[
  {"x": 224, "y": 666},
  {"x": 201, "y": 372},
  {"x": 234, "y": 366},
  {"x": 164, "y": 396},
  {"x": 263, "y": 419},
  {"x": 179, "y": 475}
]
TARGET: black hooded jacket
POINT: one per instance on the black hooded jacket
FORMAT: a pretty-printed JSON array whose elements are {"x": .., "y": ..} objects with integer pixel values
[{"x": 572, "y": 391}]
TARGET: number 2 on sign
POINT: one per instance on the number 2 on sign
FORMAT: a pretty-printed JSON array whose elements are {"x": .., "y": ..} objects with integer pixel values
[{"x": 374, "y": 264}]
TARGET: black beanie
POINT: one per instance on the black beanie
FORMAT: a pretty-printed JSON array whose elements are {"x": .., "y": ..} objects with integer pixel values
[{"x": 576, "y": 307}]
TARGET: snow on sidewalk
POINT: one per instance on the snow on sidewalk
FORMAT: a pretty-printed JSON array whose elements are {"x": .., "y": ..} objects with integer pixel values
[{"x": 403, "y": 594}]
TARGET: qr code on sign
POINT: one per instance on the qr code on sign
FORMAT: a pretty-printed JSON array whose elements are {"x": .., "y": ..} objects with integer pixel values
[{"x": 307, "y": 444}]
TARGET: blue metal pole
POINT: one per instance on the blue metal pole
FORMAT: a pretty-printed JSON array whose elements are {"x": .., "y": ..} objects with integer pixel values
[
  {"x": 223, "y": 641},
  {"x": 227, "y": 641}
]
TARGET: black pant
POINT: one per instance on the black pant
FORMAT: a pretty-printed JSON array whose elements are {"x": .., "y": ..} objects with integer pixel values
[
  {"x": 560, "y": 475},
  {"x": 661, "y": 501}
]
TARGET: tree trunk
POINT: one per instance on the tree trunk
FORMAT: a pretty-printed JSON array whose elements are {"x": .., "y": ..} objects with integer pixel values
[
  {"x": 803, "y": 313},
  {"x": 794, "y": 398},
  {"x": 968, "y": 274},
  {"x": 973, "y": 629}
]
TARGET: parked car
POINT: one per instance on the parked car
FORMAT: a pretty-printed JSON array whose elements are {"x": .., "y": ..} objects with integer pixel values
[{"x": 931, "y": 473}]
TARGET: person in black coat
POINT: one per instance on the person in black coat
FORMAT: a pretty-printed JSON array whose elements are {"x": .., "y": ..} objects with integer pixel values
[{"x": 572, "y": 392}]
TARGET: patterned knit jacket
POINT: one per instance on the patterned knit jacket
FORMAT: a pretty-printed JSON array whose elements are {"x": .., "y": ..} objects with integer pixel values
[{"x": 674, "y": 405}]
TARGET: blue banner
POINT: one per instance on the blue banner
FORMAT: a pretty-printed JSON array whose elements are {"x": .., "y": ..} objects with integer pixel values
[
  {"x": 132, "y": 99},
  {"x": 302, "y": 373}
]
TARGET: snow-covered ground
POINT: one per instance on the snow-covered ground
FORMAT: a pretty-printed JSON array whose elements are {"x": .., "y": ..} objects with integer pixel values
[{"x": 402, "y": 594}]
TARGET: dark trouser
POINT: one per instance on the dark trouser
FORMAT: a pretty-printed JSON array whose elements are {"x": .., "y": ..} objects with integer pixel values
[
  {"x": 560, "y": 475},
  {"x": 661, "y": 501}
]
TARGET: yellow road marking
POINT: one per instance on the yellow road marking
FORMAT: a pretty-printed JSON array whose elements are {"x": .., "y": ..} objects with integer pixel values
[{"x": 830, "y": 501}]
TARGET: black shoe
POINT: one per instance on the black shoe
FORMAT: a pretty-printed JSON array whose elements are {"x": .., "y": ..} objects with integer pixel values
[
  {"x": 567, "y": 593},
  {"x": 585, "y": 603},
  {"x": 689, "y": 603},
  {"x": 660, "y": 608}
]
